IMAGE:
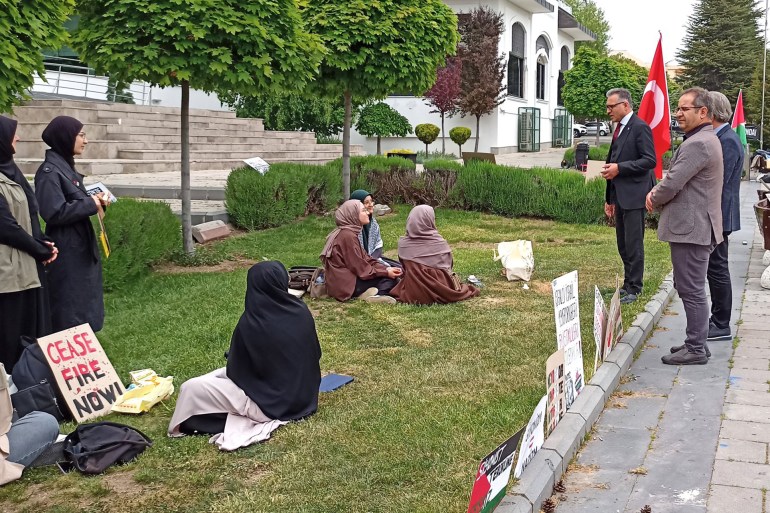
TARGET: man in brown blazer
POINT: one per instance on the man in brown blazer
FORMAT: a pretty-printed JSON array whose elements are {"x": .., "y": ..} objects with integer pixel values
[{"x": 689, "y": 198}]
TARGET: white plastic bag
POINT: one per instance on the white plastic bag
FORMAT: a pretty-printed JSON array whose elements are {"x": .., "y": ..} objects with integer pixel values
[{"x": 517, "y": 259}]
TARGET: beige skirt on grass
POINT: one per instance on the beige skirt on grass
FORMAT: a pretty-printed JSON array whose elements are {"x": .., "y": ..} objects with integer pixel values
[{"x": 216, "y": 393}]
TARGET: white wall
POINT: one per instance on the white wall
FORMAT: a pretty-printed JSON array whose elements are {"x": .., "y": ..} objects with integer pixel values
[{"x": 172, "y": 97}]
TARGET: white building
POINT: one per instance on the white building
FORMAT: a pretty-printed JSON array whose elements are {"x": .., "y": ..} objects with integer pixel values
[{"x": 539, "y": 43}]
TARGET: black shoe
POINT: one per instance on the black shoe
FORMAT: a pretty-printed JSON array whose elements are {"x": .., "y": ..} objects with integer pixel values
[
  {"x": 719, "y": 333},
  {"x": 676, "y": 349},
  {"x": 623, "y": 292},
  {"x": 628, "y": 298},
  {"x": 685, "y": 358}
]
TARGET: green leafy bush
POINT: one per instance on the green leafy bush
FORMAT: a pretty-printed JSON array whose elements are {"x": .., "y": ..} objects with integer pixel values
[
  {"x": 284, "y": 193},
  {"x": 141, "y": 233},
  {"x": 594, "y": 153},
  {"x": 460, "y": 135},
  {"x": 427, "y": 133}
]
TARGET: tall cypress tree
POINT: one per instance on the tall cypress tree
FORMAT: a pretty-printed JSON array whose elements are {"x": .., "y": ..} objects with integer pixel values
[{"x": 722, "y": 46}]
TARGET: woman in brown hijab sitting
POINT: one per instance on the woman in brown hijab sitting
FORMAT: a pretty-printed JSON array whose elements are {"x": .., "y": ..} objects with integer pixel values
[
  {"x": 427, "y": 261},
  {"x": 349, "y": 271}
]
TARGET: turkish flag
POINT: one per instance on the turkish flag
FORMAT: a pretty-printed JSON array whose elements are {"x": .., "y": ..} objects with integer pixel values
[{"x": 655, "y": 110}]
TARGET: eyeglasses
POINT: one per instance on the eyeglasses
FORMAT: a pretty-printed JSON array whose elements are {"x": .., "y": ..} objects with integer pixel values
[
  {"x": 610, "y": 107},
  {"x": 685, "y": 109}
]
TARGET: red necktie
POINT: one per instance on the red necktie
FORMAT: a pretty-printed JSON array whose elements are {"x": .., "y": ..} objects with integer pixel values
[{"x": 617, "y": 131}]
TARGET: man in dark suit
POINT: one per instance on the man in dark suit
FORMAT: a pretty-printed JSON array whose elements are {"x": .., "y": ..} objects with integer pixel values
[
  {"x": 718, "y": 271},
  {"x": 630, "y": 175},
  {"x": 689, "y": 198}
]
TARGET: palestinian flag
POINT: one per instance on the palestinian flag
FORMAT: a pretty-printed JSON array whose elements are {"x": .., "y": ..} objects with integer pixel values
[{"x": 739, "y": 121}]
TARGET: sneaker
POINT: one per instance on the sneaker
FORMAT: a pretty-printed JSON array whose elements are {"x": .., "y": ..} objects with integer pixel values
[
  {"x": 623, "y": 292},
  {"x": 381, "y": 299},
  {"x": 685, "y": 358},
  {"x": 719, "y": 333},
  {"x": 628, "y": 298},
  {"x": 676, "y": 349},
  {"x": 365, "y": 295}
]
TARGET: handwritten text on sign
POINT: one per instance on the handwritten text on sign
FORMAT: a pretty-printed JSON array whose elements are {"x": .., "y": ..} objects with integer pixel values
[
  {"x": 567, "y": 315},
  {"x": 83, "y": 372}
]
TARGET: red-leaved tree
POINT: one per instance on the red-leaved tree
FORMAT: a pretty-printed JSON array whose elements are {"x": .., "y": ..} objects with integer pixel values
[
  {"x": 445, "y": 92},
  {"x": 483, "y": 69}
]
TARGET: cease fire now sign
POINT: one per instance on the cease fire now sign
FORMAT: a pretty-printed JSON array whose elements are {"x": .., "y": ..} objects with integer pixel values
[{"x": 83, "y": 372}]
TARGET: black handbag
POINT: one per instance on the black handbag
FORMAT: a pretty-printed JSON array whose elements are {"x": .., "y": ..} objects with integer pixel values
[
  {"x": 39, "y": 397},
  {"x": 92, "y": 448}
]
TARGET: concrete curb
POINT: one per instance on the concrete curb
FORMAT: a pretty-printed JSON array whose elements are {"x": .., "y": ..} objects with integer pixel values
[{"x": 550, "y": 462}]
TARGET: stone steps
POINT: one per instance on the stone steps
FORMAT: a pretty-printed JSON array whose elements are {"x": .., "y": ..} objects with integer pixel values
[{"x": 201, "y": 211}]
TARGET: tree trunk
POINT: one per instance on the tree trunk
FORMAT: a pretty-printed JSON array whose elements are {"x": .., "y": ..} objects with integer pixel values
[
  {"x": 379, "y": 147},
  {"x": 443, "y": 136},
  {"x": 187, "y": 240},
  {"x": 478, "y": 120},
  {"x": 346, "y": 145},
  {"x": 597, "y": 132},
  {"x": 426, "y": 151}
]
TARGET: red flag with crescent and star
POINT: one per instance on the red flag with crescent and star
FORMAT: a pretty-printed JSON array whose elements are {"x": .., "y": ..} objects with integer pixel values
[{"x": 655, "y": 110}]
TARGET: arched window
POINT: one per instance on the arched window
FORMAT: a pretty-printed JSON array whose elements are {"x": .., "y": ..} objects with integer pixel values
[
  {"x": 564, "y": 67},
  {"x": 516, "y": 61},
  {"x": 543, "y": 51}
]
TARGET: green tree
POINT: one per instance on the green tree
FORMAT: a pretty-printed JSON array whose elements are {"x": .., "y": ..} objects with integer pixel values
[
  {"x": 587, "y": 13},
  {"x": 377, "y": 48},
  {"x": 290, "y": 111},
  {"x": 427, "y": 133},
  {"x": 28, "y": 28},
  {"x": 381, "y": 120},
  {"x": 212, "y": 45},
  {"x": 753, "y": 102},
  {"x": 591, "y": 76},
  {"x": 459, "y": 135},
  {"x": 722, "y": 46},
  {"x": 483, "y": 69}
]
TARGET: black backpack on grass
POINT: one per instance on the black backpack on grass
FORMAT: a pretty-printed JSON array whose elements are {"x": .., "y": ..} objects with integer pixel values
[
  {"x": 92, "y": 448},
  {"x": 37, "y": 389}
]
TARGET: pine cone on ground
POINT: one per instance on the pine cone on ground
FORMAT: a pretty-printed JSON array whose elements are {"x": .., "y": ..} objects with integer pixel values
[
  {"x": 646, "y": 509},
  {"x": 549, "y": 506},
  {"x": 559, "y": 487}
]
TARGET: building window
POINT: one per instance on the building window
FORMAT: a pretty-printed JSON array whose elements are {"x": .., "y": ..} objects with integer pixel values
[
  {"x": 543, "y": 53},
  {"x": 516, "y": 61},
  {"x": 564, "y": 67}
]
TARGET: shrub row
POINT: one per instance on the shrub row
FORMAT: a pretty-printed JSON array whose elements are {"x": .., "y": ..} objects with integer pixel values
[
  {"x": 594, "y": 153},
  {"x": 288, "y": 191},
  {"x": 141, "y": 233}
]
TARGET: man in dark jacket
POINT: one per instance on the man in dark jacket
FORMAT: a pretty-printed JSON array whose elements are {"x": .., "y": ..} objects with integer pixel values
[
  {"x": 718, "y": 275},
  {"x": 630, "y": 175}
]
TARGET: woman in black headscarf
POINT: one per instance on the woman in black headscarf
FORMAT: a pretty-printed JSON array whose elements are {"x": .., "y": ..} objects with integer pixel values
[
  {"x": 75, "y": 279},
  {"x": 272, "y": 374},
  {"x": 23, "y": 252}
]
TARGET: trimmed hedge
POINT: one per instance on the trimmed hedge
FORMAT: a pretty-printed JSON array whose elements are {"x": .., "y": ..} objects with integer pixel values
[
  {"x": 141, "y": 233},
  {"x": 289, "y": 191},
  {"x": 594, "y": 153}
]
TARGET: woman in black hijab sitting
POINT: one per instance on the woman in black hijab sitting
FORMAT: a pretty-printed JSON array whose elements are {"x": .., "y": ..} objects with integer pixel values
[
  {"x": 272, "y": 373},
  {"x": 23, "y": 252},
  {"x": 75, "y": 279}
]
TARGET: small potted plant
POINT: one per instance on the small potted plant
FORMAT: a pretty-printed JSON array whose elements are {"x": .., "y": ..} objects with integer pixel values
[{"x": 404, "y": 154}]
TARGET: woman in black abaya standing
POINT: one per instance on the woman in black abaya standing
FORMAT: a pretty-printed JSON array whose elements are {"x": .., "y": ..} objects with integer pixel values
[
  {"x": 23, "y": 252},
  {"x": 75, "y": 279}
]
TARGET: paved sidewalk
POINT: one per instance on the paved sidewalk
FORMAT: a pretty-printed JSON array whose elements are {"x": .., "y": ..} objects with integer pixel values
[{"x": 662, "y": 434}]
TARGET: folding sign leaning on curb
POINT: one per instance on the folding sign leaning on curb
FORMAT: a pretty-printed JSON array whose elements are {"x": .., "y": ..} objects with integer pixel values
[
  {"x": 533, "y": 438},
  {"x": 567, "y": 314},
  {"x": 493, "y": 475},
  {"x": 613, "y": 328},
  {"x": 600, "y": 326},
  {"x": 554, "y": 378},
  {"x": 83, "y": 372}
]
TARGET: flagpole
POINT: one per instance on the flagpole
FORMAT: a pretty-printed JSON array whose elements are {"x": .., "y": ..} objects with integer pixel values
[{"x": 764, "y": 75}]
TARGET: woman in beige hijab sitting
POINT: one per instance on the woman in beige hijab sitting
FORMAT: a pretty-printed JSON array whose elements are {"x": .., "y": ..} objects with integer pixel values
[
  {"x": 427, "y": 261},
  {"x": 349, "y": 271}
]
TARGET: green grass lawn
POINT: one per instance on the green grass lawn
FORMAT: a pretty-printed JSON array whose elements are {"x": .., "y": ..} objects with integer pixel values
[{"x": 436, "y": 388}]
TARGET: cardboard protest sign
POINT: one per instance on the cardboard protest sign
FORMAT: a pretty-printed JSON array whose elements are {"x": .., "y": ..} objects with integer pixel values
[
  {"x": 533, "y": 438},
  {"x": 493, "y": 475},
  {"x": 614, "y": 328},
  {"x": 567, "y": 315},
  {"x": 554, "y": 377},
  {"x": 83, "y": 372},
  {"x": 258, "y": 164},
  {"x": 600, "y": 326}
]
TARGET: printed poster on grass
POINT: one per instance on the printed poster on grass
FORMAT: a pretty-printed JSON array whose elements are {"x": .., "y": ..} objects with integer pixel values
[
  {"x": 83, "y": 372},
  {"x": 567, "y": 316},
  {"x": 600, "y": 326},
  {"x": 534, "y": 437},
  {"x": 614, "y": 327},
  {"x": 554, "y": 377},
  {"x": 493, "y": 475}
]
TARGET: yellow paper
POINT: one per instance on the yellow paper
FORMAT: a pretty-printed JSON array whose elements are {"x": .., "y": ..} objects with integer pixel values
[{"x": 150, "y": 389}]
